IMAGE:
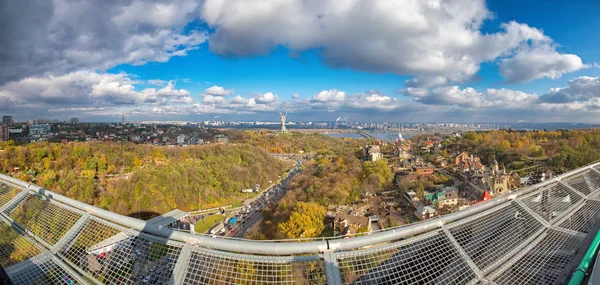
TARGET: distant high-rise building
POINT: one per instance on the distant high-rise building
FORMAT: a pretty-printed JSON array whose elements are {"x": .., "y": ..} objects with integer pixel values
[
  {"x": 8, "y": 120},
  {"x": 123, "y": 119},
  {"x": 74, "y": 120},
  {"x": 3, "y": 133}
]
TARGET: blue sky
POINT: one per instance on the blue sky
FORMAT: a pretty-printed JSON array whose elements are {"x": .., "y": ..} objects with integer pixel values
[
  {"x": 305, "y": 74},
  {"x": 461, "y": 60}
]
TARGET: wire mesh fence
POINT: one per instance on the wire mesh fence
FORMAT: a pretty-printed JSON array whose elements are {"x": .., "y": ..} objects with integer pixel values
[
  {"x": 583, "y": 219},
  {"x": 14, "y": 247},
  {"x": 544, "y": 262},
  {"x": 114, "y": 256},
  {"x": 488, "y": 237},
  {"x": 552, "y": 201},
  {"x": 593, "y": 179},
  {"x": 46, "y": 220},
  {"x": 580, "y": 184},
  {"x": 527, "y": 240},
  {"x": 7, "y": 193},
  {"x": 426, "y": 259},
  {"x": 45, "y": 271},
  {"x": 214, "y": 267}
]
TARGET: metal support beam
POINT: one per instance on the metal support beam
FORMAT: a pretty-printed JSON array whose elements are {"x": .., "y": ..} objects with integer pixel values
[
  {"x": 332, "y": 268},
  {"x": 509, "y": 255},
  {"x": 571, "y": 212},
  {"x": 510, "y": 262},
  {"x": 573, "y": 189},
  {"x": 25, "y": 264},
  {"x": 14, "y": 201},
  {"x": 568, "y": 212},
  {"x": 74, "y": 274},
  {"x": 532, "y": 213},
  {"x": 46, "y": 260},
  {"x": 24, "y": 229},
  {"x": 68, "y": 236},
  {"x": 178, "y": 275},
  {"x": 82, "y": 271},
  {"x": 464, "y": 254},
  {"x": 591, "y": 184},
  {"x": 567, "y": 231}
]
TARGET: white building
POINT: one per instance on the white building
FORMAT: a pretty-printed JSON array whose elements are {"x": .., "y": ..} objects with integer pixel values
[
  {"x": 39, "y": 129},
  {"x": 181, "y": 139}
]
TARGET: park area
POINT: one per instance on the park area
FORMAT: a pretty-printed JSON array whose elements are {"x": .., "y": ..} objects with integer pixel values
[{"x": 202, "y": 226}]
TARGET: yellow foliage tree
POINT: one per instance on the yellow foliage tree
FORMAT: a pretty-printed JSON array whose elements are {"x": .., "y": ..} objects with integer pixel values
[{"x": 305, "y": 222}]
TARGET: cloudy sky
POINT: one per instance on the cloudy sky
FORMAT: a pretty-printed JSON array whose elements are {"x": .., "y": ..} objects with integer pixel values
[{"x": 404, "y": 61}]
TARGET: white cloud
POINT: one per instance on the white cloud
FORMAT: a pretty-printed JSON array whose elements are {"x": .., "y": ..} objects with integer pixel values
[
  {"x": 541, "y": 62},
  {"x": 42, "y": 37},
  {"x": 332, "y": 95},
  {"x": 166, "y": 93},
  {"x": 238, "y": 100},
  {"x": 157, "y": 82},
  {"x": 218, "y": 91},
  {"x": 429, "y": 39},
  {"x": 295, "y": 96},
  {"x": 113, "y": 94},
  {"x": 425, "y": 82},
  {"x": 156, "y": 14},
  {"x": 266, "y": 98},
  {"x": 509, "y": 98},
  {"x": 580, "y": 89},
  {"x": 447, "y": 95},
  {"x": 470, "y": 98},
  {"x": 84, "y": 89},
  {"x": 210, "y": 99},
  {"x": 374, "y": 100}
]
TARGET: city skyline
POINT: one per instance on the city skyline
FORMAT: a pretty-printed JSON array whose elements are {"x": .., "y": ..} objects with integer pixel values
[{"x": 447, "y": 61}]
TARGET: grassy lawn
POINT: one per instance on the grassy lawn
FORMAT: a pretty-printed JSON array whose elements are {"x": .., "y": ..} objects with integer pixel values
[{"x": 205, "y": 224}]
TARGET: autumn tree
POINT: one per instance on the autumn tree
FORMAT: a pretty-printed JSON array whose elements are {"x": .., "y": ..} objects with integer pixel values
[{"x": 305, "y": 222}]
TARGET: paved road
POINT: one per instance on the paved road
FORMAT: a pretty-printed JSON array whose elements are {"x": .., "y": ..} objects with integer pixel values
[{"x": 252, "y": 213}]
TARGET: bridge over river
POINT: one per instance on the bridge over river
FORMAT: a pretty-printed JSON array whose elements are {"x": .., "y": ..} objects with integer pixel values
[{"x": 537, "y": 235}]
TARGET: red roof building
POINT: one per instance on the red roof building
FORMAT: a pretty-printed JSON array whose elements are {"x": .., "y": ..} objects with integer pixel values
[{"x": 485, "y": 196}]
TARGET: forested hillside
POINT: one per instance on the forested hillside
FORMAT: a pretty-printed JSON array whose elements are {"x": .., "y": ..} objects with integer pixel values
[
  {"x": 129, "y": 178},
  {"x": 292, "y": 142},
  {"x": 331, "y": 178},
  {"x": 565, "y": 149}
]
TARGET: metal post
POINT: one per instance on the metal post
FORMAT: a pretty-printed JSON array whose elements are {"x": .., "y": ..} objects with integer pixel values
[
  {"x": 177, "y": 277},
  {"x": 332, "y": 268}
]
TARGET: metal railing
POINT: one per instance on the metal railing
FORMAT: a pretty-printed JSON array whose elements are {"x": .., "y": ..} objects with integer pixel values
[{"x": 528, "y": 236}]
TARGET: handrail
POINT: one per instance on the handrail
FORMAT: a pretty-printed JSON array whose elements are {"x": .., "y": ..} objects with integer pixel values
[
  {"x": 287, "y": 247},
  {"x": 586, "y": 261}
]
